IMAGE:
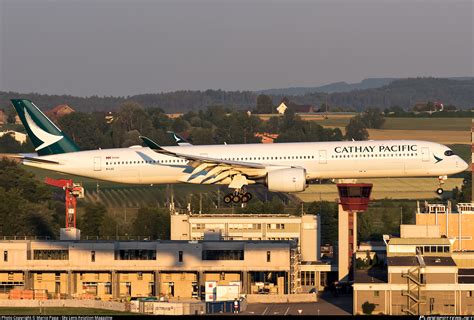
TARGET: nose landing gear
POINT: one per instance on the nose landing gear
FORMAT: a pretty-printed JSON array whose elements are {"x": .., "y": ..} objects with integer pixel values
[
  {"x": 441, "y": 179},
  {"x": 239, "y": 195}
]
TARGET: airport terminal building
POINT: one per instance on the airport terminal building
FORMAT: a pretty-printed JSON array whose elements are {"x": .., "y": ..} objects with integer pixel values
[
  {"x": 110, "y": 270},
  {"x": 174, "y": 269}
]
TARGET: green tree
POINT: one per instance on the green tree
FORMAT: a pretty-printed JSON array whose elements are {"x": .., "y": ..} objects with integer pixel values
[
  {"x": 264, "y": 104},
  {"x": 25, "y": 203},
  {"x": 328, "y": 214},
  {"x": 180, "y": 125},
  {"x": 465, "y": 194},
  {"x": 273, "y": 125},
  {"x": 82, "y": 128},
  {"x": 237, "y": 127},
  {"x": 159, "y": 119},
  {"x": 13, "y": 176},
  {"x": 131, "y": 138},
  {"x": 373, "y": 118},
  {"x": 356, "y": 129},
  {"x": 93, "y": 219},
  {"x": 153, "y": 222},
  {"x": 201, "y": 136},
  {"x": 214, "y": 114},
  {"x": 294, "y": 129},
  {"x": 133, "y": 116},
  {"x": 274, "y": 206},
  {"x": 8, "y": 144},
  {"x": 11, "y": 115}
]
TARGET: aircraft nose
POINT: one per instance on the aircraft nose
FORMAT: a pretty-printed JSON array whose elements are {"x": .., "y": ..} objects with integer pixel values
[{"x": 462, "y": 164}]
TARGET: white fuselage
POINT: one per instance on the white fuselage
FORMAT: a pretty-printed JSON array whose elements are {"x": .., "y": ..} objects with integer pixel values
[{"x": 322, "y": 160}]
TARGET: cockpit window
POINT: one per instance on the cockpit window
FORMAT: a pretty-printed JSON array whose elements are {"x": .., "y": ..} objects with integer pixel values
[{"x": 448, "y": 153}]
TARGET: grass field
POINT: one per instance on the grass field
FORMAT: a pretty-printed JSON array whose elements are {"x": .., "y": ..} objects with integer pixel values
[
  {"x": 60, "y": 311},
  {"x": 391, "y": 188},
  {"x": 444, "y": 137},
  {"x": 438, "y": 124}
]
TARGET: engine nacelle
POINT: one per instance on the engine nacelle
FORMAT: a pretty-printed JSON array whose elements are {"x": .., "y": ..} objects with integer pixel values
[{"x": 287, "y": 180}]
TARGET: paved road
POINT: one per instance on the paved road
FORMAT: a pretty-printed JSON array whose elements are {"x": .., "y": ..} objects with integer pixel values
[{"x": 326, "y": 305}]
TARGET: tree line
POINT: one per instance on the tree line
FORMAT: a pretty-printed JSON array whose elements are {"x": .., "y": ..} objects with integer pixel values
[
  {"x": 29, "y": 207},
  {"x": 402, "y": 92},
  {"x": 214, "y": 125}
]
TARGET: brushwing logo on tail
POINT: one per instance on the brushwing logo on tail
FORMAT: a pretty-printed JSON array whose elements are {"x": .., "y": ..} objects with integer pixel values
[
  {"x": 47, "y": 138},
  {"x": 178, "y": 139}
]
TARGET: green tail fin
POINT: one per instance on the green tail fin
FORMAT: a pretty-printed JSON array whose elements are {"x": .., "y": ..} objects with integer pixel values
[{"x": 44, "y": 134}]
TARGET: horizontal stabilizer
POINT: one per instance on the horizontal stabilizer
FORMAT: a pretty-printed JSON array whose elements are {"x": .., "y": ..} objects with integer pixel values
[{"x": 20, "y": 158}]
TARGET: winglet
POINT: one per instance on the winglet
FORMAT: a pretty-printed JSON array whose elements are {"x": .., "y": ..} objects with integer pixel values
[{"x": 150, "y": 143}]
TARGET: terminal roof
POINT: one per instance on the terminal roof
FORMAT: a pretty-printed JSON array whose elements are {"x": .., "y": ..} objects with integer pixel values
[
  {"x": 432, "y": 261},
  {"x": 419, "y": 241}
]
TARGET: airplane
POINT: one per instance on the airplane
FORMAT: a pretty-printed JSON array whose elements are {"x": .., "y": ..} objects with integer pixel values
[{"x": 281, "y": 167}]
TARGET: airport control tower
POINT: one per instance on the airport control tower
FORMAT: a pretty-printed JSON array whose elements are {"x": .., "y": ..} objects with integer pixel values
[{"x": 353, "y": 198}]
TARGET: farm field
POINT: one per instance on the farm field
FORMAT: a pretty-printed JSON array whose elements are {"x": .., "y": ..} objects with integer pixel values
[
  {"x": 444, "y": 137},
  {"x": 391, "y": 188},
  {"x": 438, "y": 124}
]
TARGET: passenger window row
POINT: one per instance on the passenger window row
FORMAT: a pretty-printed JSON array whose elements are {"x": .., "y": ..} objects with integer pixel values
[{"x": 383, "y": 155}]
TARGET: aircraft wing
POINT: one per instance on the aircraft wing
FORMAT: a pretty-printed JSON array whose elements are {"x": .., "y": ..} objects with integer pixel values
[{"x": 216, "y": 170}]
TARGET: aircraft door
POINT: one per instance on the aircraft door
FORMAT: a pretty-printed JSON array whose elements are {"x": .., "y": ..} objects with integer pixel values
[
  {"x": 425, "y": 153},
  {"x": 322, "y": 156},
  {"x": 97, "y": 164}
]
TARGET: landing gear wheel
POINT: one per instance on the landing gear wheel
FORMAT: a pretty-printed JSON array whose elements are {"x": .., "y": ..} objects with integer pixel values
[
  {"x": 227, "y": 199},
  {"x": 439, "y": 191},
  {"x": 248, "y": 195},
  {"x": 236, "y": 199},
  {"x": 245, "y": 199}
]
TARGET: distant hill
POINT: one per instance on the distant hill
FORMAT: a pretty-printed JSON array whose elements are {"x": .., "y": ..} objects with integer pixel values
[
  {"x": 171, "y": 102},
  {"x": 369, "y": 83},
  {"x": 402, "y": 92},
  {"x": 331, "y": 88}
]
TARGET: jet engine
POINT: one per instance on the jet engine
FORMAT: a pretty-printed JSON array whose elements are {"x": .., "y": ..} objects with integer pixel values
[{"x": 286, "y": 180}]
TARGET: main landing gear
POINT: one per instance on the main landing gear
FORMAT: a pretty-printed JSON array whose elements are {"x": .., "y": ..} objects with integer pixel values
[
  {"x": 441, "y": 179},
  {"x": 239, "y": 195}
]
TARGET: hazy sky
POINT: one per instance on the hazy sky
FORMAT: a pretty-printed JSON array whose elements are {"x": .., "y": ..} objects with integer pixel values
[{"x": 128, "y": 47}]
